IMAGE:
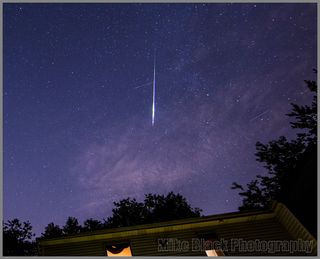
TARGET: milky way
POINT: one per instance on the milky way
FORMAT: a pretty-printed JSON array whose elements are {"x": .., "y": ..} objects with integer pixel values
[{"x": 77, "y": 90}]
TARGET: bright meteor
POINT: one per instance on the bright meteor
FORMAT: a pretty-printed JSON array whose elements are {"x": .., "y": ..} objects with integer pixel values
[{"x": 154, "y": 91}]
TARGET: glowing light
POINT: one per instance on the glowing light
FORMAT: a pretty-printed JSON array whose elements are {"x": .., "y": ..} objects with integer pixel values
[
  {"x": 214, "y": 253},
  {"x": 154, "y": 91},
  {"x": 124, "y": 252},
  {"x": 211, "y": 253}
]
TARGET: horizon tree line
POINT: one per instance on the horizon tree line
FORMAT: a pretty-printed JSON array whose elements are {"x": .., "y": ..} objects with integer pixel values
[{"x": 127, "y": 212}]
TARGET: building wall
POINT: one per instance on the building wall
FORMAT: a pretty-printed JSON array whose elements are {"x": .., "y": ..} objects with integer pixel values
[
  {"x": 147, "y": 244},
  {"x": 234, "y": 229}
]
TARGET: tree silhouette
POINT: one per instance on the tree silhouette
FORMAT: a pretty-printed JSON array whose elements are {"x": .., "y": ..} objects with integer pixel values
[
  {"x": 92, "y": 224},
  {"x": 127, "y": 212},
  {"x": 289, "y": 164},
  {"x": 306, "y": 116},
  {"x": 52, "y": 230},
  {"x": 170, "y": 207},
  {"x": 155, "y": 208},
  {"x": 72, "y": 226},
  {"x": 17, "y": 238}
]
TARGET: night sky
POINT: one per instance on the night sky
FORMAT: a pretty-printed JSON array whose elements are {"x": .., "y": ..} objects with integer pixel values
[{"x": 78, "y": 96}]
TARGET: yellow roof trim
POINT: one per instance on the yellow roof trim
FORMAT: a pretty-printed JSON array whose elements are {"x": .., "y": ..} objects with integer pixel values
[
  {"x": 293, "y": 225},
  {"x": 156, "y": 229}
]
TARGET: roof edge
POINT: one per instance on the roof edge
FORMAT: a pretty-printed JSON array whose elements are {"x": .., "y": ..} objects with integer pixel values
[
  {"x": 205, "y": 221},
  {"x": 293, "y": 225}
]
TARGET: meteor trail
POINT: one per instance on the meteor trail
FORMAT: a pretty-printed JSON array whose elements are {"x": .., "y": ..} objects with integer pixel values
[
  {"x": 259, "y": 115},
  {"x": 148, "y": 83},
  {"x": 154, "y": 90}
]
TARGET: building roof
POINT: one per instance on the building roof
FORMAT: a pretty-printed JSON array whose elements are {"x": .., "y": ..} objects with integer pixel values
[
  {"x": 276, "y": 223},
  {"x": 203, "y": 220}
]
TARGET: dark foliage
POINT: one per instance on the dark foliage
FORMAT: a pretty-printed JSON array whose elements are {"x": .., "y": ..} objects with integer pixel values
[
  {"x": 170, "y": 207},
  {"x": 155, "y": 208},
  {"x": 306, "y": 116},
  {"x": 72, "y": 226},
  {"x": 289, "y": 164},
  {"x": 299, "y": 189},
  {"x": 92, "y": 224},
  {"x": 17, "y": 239},
  {"x": 52, "y": 231},
  {"x": 127, "y": 212}
]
